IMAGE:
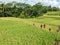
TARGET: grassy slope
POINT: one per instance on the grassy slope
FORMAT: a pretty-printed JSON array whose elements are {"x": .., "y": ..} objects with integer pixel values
[
  {"x": 53, "y": 13},
  {"x": 14, "y": 32},
  {"x": 53, "y": 21}
]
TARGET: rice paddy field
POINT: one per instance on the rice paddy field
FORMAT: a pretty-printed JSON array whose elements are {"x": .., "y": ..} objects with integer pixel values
[{"x": 17, "y": 31}]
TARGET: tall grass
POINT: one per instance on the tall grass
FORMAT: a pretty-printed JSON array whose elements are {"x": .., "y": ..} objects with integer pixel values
[{"x": 18, "y": 33}]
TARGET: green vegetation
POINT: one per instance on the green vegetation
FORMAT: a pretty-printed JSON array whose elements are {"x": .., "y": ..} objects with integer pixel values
[
  {"x": 26, "y": 28},
  {"x": 22, "y": 10},
  {"x": 14, "y": 31},
  {"x": 15, "y": 9},
  {"x": 47, "y": 20},
  {"x": 53, "y": 13}
]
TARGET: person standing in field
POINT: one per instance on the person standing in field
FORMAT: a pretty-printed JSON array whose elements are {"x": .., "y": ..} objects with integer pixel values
[
  {"x": 41, "y": 25},
  {"x": 44, "y": 25}
]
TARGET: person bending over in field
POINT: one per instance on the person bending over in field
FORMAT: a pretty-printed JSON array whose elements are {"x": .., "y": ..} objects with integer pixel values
[
  {"x": 33, "y": 24},
  {"x": 57, "y": 30},
  {"x": 49, "y": 29}
]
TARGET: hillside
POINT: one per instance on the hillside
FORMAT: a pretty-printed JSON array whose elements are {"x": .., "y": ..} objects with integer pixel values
[
  {"x": 53, "y": 13},
  {"x": 16, "y": 31}
]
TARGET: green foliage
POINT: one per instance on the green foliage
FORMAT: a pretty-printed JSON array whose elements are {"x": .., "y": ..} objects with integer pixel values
[
  {"x": 53, "y": 13},
  {"x": 15, "y": 9},
  {"x": 13, "y": 32}
]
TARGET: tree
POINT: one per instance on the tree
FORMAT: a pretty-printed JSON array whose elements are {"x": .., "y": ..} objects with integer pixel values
[{"x": 15, "y": 9}]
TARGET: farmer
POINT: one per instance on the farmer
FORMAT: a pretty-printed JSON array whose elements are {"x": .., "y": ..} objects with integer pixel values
[
  {"x": 57, "y": 30},
  {"x": 49, "y": 29},
  {"x": 33, "y": 24},
  {"x": 41, "y": 26},
  {"x": 57, "y": 42},
  {"x": 44, "y": 25}
]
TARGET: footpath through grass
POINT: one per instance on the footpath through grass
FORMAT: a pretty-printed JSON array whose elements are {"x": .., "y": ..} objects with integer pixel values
[{"x": 50, "y": 22}]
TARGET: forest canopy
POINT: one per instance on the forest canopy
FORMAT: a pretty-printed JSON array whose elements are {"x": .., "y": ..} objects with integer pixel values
[{"x": 15, "y": 9}]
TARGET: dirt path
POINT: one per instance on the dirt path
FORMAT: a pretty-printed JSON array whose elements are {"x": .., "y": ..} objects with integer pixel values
[
  {"x": 53, "y": 29},
  {"x": 39, "y": 24}
]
